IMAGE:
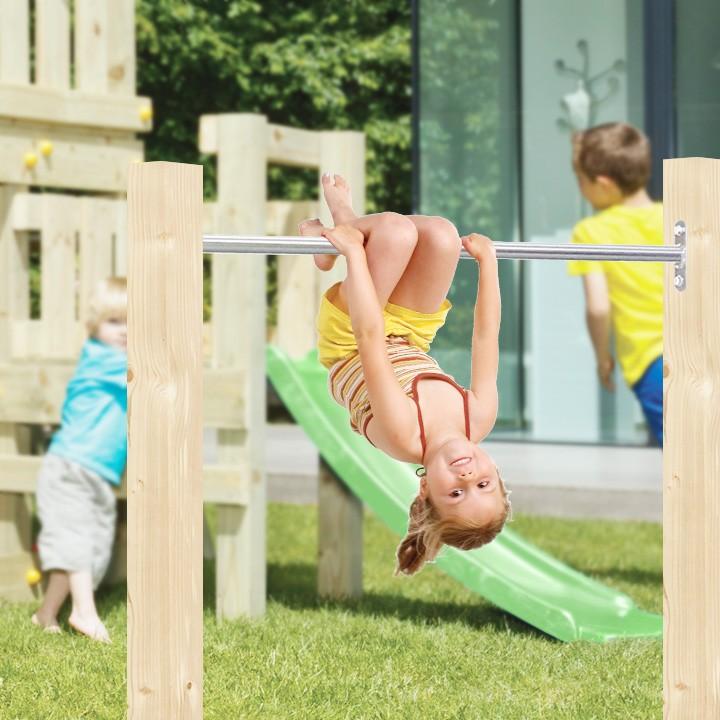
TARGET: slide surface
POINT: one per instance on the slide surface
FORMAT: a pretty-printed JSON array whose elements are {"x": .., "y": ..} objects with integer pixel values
[{"x": 510, "y": 572}]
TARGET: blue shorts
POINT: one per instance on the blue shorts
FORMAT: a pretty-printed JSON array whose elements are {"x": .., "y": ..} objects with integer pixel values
[{"x": 649, "y": 391}]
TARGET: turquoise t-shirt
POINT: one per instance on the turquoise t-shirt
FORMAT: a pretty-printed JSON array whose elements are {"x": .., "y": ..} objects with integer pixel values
[{"x": 93, "y": 430}]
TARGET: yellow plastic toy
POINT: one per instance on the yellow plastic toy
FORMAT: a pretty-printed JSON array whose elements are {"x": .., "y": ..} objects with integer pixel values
[
  {"x": 146, "y": 113},
  {"x": 30, "y": 160},
  {"x": 33, "y": 576},
  {"x": 46, "y": 148}
]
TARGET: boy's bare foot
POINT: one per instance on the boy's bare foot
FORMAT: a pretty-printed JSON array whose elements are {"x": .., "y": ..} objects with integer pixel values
[
  {"x": 338, "y": 198},
  {"x": 91, "y": 626},
  {"x": 314, "y": 228},
  {"x": 49, "y": 625}
]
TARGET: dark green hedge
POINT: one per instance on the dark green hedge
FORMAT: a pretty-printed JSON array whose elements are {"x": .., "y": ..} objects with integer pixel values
[{"x": 332, "y": 64}]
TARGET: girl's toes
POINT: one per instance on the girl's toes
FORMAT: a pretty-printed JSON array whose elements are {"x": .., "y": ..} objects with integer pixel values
[
  {"x": 310, "y": 227},
  {"x": 327, "y": 179},
  {"x": 341, "y": 182}
]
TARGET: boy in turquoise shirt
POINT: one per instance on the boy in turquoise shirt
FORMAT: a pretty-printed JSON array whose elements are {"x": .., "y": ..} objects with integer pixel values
[
  {"x": 612, "y": 165},
  {"x": 76, "y": 505}
]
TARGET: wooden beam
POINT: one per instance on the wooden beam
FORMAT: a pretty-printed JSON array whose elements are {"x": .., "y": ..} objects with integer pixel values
[
  {"x": 73, "y": 107},
  {"x": 14, "y": 42},
  {"x": 340, "y": 537},
  {"x": 285, "y": 145},
  {"x": 691, "y": 459},
  {"x": 227, "y": 484},
  {"x": 82, "y": 160},
  {"x": 91, "y": 45},
  {"x": 52, "y": 44},
  {"x": 165, "y": 519}
]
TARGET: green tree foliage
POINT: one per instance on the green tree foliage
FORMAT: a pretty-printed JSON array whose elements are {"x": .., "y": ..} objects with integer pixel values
[{"x": 316, "y": 64}]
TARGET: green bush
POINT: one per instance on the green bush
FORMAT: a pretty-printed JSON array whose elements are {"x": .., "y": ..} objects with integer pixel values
[{"x": 338, "y": 64}]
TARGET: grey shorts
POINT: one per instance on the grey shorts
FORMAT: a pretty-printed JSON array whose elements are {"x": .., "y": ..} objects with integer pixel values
[{"x": 77, "y": 511}]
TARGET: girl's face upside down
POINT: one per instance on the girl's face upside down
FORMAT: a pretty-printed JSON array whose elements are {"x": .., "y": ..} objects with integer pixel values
[{"x": 462, "y": 481}]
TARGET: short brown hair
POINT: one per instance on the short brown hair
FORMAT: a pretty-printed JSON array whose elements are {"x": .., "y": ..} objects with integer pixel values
[
  {"x": 618, "y": 151},
  {"x": 427, "y": 533}
]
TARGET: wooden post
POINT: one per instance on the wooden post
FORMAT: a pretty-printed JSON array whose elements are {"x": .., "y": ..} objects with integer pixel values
[
  {"x": 239, "y": 327},
  {"x": 340, "y": 537},
  {"x": 164, "y": 474},
  {"x": 691, "y": 457}
]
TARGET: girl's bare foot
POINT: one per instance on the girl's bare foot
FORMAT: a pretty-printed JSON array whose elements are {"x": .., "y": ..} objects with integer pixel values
[
  {"x": 49, "y": 625},
  {"x": 338, "y": 198},
  {"x": 92, "y": 626},
  {"x": 314, "y": 228}
]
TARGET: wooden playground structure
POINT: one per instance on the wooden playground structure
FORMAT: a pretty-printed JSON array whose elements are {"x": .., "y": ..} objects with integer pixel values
[
  {"x": 83, "y": 138},
  {"x": 68, "y": 153}
]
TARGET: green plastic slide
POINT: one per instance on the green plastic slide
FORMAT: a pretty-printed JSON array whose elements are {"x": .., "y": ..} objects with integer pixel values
[{"x": 510, "y": 572}]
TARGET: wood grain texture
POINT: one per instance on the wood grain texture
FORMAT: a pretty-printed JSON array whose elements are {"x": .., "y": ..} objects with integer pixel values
[
  {"x": 239, "y": 318},
  {"x": 340, "y": 517},
  {"x": 52, "y": 44},
  {"x": 165, "y": 520},
  {"x": 14, "y": 41},
  {"x": 691, "y": 454}
]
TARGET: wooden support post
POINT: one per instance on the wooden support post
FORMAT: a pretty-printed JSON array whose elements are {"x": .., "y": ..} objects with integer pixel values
[
  {"x": 341, "y": 152},
  {"x": 239, "y": 327},
  {"x": 691, "y": 457},
  {"x": 164, "y": 473},
  {"x": 340, "y": 537}
]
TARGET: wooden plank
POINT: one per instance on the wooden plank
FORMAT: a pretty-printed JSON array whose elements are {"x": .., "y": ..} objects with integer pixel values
[
  {"x": 121, "y": 48},
  {"x": 7, "y": 240},
  {"x": 14, "y": 41},
  {"x": 84, "y": 161},
  {"x": 97, "y": 227},
  {"x": 33, "y": 392},
  {"x": 341, "y": 152},
  {"x": 691, "y": 461},
  {"x": 340, "y": 540},
  {"x": 284, "y": 145},
  {"x": 238, "y": 301},
  {"x": 91, "y": 46},
  {"x": 15, "y": 530},
  {"x": 74, "y": 108},
  {"x": 52, "y": 44},
  {"x": 228, "y": 484},
  {"x": 297, "y": 298},
  {"x": 165, "y": 619},
  {"x": 57, "y": 275}
]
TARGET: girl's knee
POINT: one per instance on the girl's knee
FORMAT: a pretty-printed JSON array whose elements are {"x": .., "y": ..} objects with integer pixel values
[
  {"x": 443, "y": 234},
  {"x": 402, "y": 228}
]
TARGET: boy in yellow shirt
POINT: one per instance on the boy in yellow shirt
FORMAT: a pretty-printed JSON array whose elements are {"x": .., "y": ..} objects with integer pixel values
[{"x": 612, "y": 165}]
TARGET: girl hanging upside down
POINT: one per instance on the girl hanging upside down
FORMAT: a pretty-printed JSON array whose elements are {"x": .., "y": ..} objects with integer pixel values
[{"x": 375, "y": 328}]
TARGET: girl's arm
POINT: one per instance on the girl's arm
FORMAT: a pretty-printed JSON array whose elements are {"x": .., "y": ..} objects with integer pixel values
[
  {"x": 486, "y": 325},
  {"x": 391, "y": 408}
]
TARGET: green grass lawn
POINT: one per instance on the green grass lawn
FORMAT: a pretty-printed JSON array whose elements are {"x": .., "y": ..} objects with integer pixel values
[{"x": 419, "y": 648}]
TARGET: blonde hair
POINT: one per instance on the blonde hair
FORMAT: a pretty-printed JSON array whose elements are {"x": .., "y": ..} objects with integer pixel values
[
  {"x": 428, "y": 532},
  {"x": 618, "y": 151},
  {"x": 108, "y": 300}
]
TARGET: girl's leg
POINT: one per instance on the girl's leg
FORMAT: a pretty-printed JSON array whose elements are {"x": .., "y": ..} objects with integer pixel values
[
  {"x": 57, "y": 590},
  {"x": 84, "y": 617},
  {"x": 389, "y": 245},
  {"x": 427, "y": 276}
]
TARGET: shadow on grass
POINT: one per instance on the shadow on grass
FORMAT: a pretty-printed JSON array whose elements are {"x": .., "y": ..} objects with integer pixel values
[{"x": 294, "y": 585}]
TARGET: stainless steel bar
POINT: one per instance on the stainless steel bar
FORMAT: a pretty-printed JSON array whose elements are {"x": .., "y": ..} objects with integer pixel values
[{"x": 292, "y": 245}]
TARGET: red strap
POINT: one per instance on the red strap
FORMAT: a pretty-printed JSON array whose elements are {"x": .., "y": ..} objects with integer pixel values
[{"x": 439, "y": 376}]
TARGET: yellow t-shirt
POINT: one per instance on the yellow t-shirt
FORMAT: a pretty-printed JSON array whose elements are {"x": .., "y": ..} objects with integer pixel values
[{"x": 635, "y": 288}]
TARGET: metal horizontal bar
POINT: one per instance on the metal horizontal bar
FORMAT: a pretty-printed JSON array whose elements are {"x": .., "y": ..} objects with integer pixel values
[{"x": 298, "y": 245}]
